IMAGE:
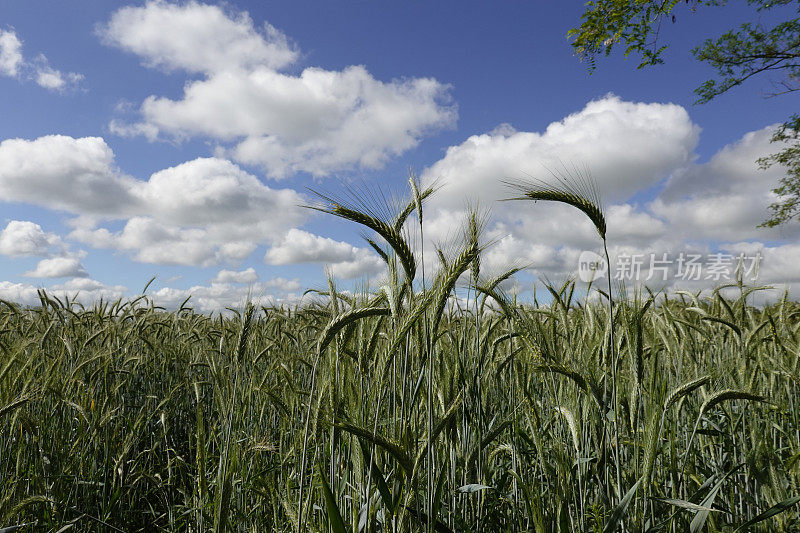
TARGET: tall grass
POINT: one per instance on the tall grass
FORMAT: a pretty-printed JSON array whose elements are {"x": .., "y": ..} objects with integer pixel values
[{"x": 403, "y": 409}]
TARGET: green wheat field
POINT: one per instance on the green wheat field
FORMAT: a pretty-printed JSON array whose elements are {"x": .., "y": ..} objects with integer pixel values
[{"x": 405, "y": 408}]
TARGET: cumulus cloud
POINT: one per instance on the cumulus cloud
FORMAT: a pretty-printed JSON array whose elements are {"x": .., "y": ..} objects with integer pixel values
[
  {"x": 200, "y": 212},
  {"x": 21, "y": 238},
  {"x": 300, "y": 246},
  {"x": 151, "y": 241},
  {"x": 727, "y": 197},
  {"x": 64, "y": 173},
  {"x": 628, "y": 148},
  {"x": 212, "y": 298},
  {"x": 345, "y": 260},
  {"x": 318, "y": 121},
  {"x": 777, "y": 265},
  {"x": 21, "y": 293},
  {"x": 13, "y": 64},
  {"x": 633, "y": 226},
  {"x": 196, "y": 37},
  {"x": 231, "y": 276},
  {"x": 58, "y": 267},
  {"x": 216, "y": 191},
  {"x": 283, "y": 284},
  {"x": 82, "y": 290},
  {"x": 219, "y": 295},
  {"x": 364, "y": 265}
]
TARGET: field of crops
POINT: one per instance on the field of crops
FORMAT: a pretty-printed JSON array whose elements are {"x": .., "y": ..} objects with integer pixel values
[{"x": 378, "y": 411}]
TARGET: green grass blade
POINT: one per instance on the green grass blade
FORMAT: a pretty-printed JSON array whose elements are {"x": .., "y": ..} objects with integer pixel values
[
  {"x": 700, "y": 518},
  {"x": 689, "y": 506},
  {"x": 377, "y": 475},
  {"x": 334, "y": 516},
  {"x": 769, "y": 513},
  {"x": 619, "y": 511}
]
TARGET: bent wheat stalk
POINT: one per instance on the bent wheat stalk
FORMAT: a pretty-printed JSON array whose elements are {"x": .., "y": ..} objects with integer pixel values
[{"x": 579, "y": 191}]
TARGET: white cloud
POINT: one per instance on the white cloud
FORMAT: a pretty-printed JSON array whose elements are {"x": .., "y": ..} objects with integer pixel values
[
  {"x": 364, "y": 265},
  {"x": 204, "y": 298},
  {"x": 26, "y": 238},
  {"x": 52, "y": 79},
  {"x": 196, "y": 37},
  {"x": 58, "y": 267},
  {"x": 154, "y": 242},
  {"x": 726, "y": 198},
  {"x": 509, "y": 251},
  {"x": 628, "y": 149},
  {"x": 300, "y": 246},
  {"x": 626, "y": 146},
  {"x": 777, "y": 264},
  {"x": 88, "y": 290},
  {"x": 283, "y": 284},
  {"x": 318, "y": 121},
  {"x": 13, "y": 64},
  {"x": 151, "y": 241},
  {"x": 217, "y": 296},
  {"x": 10, "y": 53},
  {"x": 83, "y": 290},
  {"x": 118, "y": 127},
  {"x": 345, "y": 260},
  {"x": 231, "y": 276},
  {"x": 215, "y": 191},
  {"x": 202, "y": 211},
  {"x": 60, "y": 172},
  {"x": 20, "y": 293},
  {"x": 631, "y": 225}
]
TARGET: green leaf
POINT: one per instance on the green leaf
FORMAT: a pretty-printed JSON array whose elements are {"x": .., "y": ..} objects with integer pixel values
[
  {"x": 9, "y": 529},
  {"x": 533, "y": 504},
  {"x": 437, "y": 495},
  {"x": 685, "y": 505},
  {"x": 377, "y": 475},
  {"x": 394, "y": 449},
  {"x": 334, "y": 516},
  {"x": 472, "y": 488},
  {"x": 619, "y": 511},
  {"x": 772, "y": 511},
  {"x": 728, "y": 323},
  {"x": 19, "y": 402},
  {"x": 438, "y": 525},
  {"x": 700, "y": 518}
]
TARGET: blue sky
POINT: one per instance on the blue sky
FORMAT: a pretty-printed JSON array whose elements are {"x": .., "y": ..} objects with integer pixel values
[{"x": 177, "y": 140}]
